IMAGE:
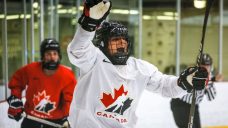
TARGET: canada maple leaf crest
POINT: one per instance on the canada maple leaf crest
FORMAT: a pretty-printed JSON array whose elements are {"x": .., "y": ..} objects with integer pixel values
[
  {"x": 42, "y": 103},
  {"x": 118, "y": 102}
]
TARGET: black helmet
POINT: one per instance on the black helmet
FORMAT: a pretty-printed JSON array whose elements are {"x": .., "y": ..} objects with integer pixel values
[
  {"x": 104, "y": 33},
  {"x": 50, "y": 44},
  {"x": 206, "y": 59}
]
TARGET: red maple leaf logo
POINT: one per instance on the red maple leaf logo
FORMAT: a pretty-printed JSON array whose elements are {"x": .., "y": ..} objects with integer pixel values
[
  {"x": 39, "y": 97},
  {"x": 108, "y": 99},
  {"x": 42, "y": 103}
]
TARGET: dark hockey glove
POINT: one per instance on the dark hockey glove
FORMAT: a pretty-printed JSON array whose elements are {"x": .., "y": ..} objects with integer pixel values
[
  {"x": 15, "y": 108},
  {"x": 193, "y": 77},
  {"x": 95, "y": 11}
]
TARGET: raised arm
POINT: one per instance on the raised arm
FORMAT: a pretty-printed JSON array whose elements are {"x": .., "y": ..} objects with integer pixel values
[{"x": 81, "y": 52}]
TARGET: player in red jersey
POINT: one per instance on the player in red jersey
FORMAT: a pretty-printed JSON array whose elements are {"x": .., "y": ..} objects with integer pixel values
[{"x": 49, "y": 89}]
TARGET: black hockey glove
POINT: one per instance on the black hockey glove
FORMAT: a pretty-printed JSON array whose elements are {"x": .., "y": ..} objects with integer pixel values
[
  {"x": 15, "y": 108},
  {"x": 95, "y": 11},
  {"x": 193, "y": 77}
]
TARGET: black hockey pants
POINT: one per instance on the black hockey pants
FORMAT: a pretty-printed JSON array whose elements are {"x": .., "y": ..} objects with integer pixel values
[
  {"x": 27, "y": 123},
  {"x": 181, "y": 112}
]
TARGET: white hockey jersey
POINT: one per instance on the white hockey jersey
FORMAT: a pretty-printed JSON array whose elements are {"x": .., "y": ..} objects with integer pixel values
[{"x": 107, "y": 95}]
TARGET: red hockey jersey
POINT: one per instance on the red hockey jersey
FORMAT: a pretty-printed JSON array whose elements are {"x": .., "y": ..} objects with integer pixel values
[{"x": 47, "y": 97}]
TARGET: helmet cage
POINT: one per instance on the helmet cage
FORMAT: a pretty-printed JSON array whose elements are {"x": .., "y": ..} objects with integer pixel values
[{"x": 102, "y": 37}]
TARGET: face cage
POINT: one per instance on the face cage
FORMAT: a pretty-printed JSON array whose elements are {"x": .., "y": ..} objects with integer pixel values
[
  {"x": 102, "y": 37},
  {"x": 120, "y": 57}
]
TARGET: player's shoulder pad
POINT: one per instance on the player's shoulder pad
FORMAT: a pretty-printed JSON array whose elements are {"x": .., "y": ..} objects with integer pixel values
[{"x": 144, "y": 67}]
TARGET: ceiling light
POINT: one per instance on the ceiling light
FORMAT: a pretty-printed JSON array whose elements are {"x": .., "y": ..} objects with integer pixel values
[
  {"x": 170, "y": 13},
  {"x": 166, "y": 18},
  {"x": 26, "y": 16},
  {"x": 2, "y": 16},
  {"x": 35, "y": 5},
  {"x": 199, "y": 3},
  {"x": 147, "y": 17},
  {"x": 12, "y": 17},
  {"x": 59, "y": 6},
  {"x": 62, "y": 11}
]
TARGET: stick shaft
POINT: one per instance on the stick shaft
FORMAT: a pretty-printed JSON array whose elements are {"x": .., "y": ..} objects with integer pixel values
[
  {"x": 42, "y": 121},
  {"x": 192, "y": 109}
]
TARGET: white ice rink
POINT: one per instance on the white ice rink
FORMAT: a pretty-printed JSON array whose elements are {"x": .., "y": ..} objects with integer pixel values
[{"x": 154, "y": 111}]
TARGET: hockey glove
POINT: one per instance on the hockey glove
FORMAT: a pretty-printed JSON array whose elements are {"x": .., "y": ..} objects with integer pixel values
[
  {"x": 15, "y": 108},
  {"x": 95, "y": 11},
  {"x": 193, "y": 77}
]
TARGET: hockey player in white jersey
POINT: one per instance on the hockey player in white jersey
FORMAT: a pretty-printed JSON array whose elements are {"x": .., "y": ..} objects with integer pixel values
[{"x": 111, "y": 83}]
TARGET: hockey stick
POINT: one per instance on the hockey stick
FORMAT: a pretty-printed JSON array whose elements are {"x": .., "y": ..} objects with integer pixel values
[
  {"x": 42, "y": 121},
  {"x": 199, "y": 58}
]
